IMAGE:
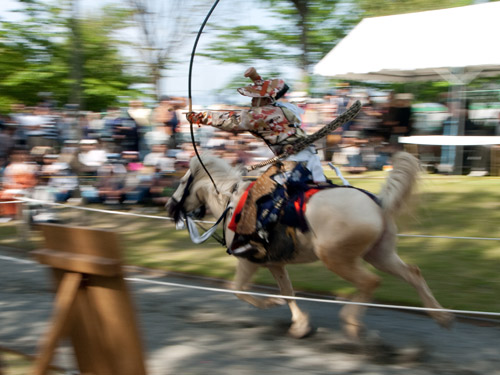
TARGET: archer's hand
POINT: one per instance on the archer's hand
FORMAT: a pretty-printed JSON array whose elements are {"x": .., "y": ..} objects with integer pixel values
[{"x": 195, "y": 117}]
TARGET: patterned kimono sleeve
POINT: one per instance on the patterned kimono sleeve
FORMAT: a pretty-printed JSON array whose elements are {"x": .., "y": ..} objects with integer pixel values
[{"x": 229, "y": 121}]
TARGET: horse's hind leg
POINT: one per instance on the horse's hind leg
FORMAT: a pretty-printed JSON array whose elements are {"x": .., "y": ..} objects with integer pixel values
[
  {"x": 348, "y": 266},
  {"x": 244, "y": 273},
  {"x": 300, "y": 321},
  {"x": 385, "y": 258}
]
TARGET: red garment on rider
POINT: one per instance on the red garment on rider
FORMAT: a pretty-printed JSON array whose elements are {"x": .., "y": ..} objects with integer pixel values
[{"x": 233, "y": 224}]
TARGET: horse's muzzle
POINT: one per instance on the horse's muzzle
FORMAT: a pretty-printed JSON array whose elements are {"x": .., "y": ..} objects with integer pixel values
[
  {"x": 173, "y": 208},
  {"x": 198, "y": 213}
]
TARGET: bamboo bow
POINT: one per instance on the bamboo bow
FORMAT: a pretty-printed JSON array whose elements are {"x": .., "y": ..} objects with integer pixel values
[{"x": 190, "y": 97}]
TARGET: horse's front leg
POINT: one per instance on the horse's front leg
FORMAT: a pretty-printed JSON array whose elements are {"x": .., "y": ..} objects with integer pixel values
[
  {"x": 300, "y": 320},
  {"x": 244, "y": 273}
]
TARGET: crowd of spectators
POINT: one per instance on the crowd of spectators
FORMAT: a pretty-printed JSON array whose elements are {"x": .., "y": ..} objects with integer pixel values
[
  {"x": 136, "y": 154},
  {"x": 118, "y": 156}
]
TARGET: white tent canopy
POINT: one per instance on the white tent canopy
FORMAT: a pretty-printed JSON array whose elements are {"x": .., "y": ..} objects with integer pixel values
[{"x": 449, "y": 44}]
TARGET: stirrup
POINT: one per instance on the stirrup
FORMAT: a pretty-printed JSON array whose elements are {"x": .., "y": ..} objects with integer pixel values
[
  {"x": 242, "y": 249},
  {"x": 260, "y": 250}
]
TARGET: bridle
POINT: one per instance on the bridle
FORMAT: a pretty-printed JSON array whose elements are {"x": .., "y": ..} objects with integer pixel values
[
  {"x": 179, "y": 215},
  {"x": 178, "y": 206}
]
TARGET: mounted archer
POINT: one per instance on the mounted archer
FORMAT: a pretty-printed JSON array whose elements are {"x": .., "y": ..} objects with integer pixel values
[{"x": 278, "y": 124}]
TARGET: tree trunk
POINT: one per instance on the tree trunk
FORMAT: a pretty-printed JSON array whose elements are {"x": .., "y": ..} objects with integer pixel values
[{"x": 303, "y": 10}]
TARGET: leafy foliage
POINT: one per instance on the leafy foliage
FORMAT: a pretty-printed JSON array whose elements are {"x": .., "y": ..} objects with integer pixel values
[
  {"x": 303, "y": 31},
  {"x": 376, "y": 8},
  {"x": 37, "y": 55}
]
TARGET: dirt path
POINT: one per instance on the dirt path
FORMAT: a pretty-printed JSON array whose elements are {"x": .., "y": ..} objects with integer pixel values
[{"x": 188, "y": 331}]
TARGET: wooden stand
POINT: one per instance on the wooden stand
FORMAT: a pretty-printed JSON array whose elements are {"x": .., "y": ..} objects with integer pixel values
[{"x": 93, "y": 306}]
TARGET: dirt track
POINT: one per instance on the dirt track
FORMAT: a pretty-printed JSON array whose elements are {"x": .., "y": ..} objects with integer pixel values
[{"x": 189, "y": 331}]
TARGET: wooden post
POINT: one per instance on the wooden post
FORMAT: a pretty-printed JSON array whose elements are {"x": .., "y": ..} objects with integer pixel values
[{"x": 93, "y": 306}]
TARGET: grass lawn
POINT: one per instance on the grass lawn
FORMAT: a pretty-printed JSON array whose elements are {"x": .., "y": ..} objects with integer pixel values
[{"x": 463, "y": 274}]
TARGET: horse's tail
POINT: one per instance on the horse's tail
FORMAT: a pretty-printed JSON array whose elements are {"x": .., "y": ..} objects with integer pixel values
[{"x": 400, "y": 183}]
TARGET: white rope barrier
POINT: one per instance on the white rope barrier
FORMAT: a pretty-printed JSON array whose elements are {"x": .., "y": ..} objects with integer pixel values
[
  {"x": 31, "y": 200},
  {"x": 268, "y": 295},
  {"x": 28, "y": 200},
  {"x": 321, "y": 300},
  {"x": 450, "y": 237},
  {"x": 16, "y": 260}
]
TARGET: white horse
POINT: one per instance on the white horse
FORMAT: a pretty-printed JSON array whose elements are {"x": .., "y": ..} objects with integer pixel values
[{"x": 347, "y": 227}]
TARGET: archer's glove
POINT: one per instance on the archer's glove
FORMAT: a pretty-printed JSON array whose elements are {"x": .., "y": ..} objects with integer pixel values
[{"x": 196, "y": 117}]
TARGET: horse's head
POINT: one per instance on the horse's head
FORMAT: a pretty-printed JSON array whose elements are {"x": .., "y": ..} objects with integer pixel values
[
  {"x": 195, "y": 188},
  {"x": 185, "y": 200}
]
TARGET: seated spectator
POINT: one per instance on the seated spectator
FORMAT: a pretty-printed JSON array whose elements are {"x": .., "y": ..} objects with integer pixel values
[
  {"x": 38, "y": 153},
  {"x": 91, "y": 156},
  {"x": 136, "y": 183},
  {"x": 184, "y": 157},
  {"x": 158, "y": 159},
  {"x": 110, "y": 184},
  {"x": 19, "y": 178},
  {"x": 157, "y": 152},
  {"x": 166, "y": 118},
  {"x": 142, "y": 117},
  {"x": 125, "y": 133},
  {"x": 162, "y": 187},
  {"x": 63, "y": 182}
]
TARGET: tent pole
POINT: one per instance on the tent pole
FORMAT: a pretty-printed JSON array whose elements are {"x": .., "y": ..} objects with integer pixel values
[{"x": 459, "y": 156}]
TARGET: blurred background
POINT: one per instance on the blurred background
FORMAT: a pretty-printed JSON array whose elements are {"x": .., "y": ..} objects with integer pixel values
[
  {"x": 74, "y": 70},
  {"x": 93, "y": 97}
]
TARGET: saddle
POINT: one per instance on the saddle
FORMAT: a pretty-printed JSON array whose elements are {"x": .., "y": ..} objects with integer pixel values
[
  {"x": 244, "y": 219},
  {"x": 270, "y": 209}
]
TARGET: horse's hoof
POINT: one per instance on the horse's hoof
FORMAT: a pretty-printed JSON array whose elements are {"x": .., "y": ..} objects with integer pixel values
[
  {"x": 444, "y": 319},
  {"x": 300, "y": 330},
  {"x": 354, "y": 332}
]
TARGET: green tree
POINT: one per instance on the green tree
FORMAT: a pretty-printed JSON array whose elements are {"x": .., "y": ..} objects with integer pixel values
[
  {"x": 376, "y": 8},
  {"x": 107, "y": 74},
  {"x": 37, "y": 56},
  {"x": 27, "y": 50},
  {"x": 303, "y": 31}
]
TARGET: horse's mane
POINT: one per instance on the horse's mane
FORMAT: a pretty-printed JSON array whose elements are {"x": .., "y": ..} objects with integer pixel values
[{"x": 224, "y": 175}]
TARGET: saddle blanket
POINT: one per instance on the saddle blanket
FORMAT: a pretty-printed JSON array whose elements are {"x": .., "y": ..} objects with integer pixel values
[{"x": 294, "y": 209}]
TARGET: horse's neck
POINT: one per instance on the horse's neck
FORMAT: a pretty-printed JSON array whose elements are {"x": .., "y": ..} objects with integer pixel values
[
  {"x": 229, "y": 196},
  {"x": 216, "y": 204}
]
